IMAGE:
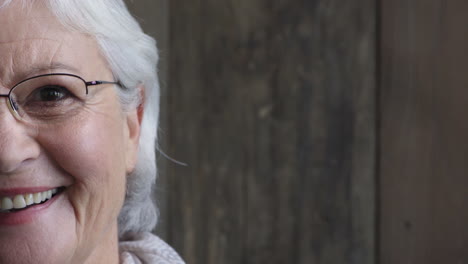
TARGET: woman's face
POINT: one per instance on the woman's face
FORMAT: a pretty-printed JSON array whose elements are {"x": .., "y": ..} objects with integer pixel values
[{"x": 89, "y": 154}]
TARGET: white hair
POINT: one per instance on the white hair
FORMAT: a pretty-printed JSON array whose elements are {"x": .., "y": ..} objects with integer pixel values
[{"x": 132, "y": 56}]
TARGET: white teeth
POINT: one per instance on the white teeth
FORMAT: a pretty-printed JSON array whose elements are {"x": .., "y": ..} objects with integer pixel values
[
  {"x": 37, "y": 198},
  {"x": 29, "y": 198},
  {"x": 23, "y": 200},
  {"x": 7, "y": 203},
  {"x": 19, "y": 202}
]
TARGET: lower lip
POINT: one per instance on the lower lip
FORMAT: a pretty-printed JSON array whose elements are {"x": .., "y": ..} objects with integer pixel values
[{"x": 28, "y": 215}]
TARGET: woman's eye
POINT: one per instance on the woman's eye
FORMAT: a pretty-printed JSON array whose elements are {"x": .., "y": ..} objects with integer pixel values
[{"x": 50, "y": 93}]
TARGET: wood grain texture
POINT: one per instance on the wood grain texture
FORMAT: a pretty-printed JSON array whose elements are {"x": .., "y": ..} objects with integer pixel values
[
  {"x": 424, "y": 144},
  {"x": 272, "y": 105}
]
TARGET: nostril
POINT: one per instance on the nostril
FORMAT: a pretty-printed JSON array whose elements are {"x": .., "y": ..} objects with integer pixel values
[{"x": 9, "y": 166}]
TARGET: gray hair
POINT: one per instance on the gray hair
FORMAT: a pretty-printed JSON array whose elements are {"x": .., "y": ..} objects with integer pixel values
[{"x": 132, "y": 56}]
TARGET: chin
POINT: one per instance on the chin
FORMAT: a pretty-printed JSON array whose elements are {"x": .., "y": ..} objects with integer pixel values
[{"x": 41, "y": 234}]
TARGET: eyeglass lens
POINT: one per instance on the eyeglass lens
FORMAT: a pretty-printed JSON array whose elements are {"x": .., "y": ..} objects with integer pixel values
[{"x": 48, "y": 98}]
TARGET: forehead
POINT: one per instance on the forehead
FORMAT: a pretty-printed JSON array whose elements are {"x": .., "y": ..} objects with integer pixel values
[{"x": 33, "y": 41}]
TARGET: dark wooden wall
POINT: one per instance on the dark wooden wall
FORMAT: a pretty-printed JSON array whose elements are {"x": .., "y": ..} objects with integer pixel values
[
  {"x": 424, "y": 161},
  {"x": 314, "y": 131},
  {"x": 272, "y": 103}
]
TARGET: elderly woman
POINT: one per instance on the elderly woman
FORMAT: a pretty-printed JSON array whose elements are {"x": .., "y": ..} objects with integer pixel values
[{"x": 77, "y": 134}]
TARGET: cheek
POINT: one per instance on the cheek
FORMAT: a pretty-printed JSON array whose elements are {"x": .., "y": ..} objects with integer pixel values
[
  {"x": 87, "y": 150},
  {"x": 91, "y": 154}
]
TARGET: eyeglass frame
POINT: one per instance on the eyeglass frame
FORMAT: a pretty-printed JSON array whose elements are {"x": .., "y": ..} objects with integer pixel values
[{"x": 12, "y": 107}]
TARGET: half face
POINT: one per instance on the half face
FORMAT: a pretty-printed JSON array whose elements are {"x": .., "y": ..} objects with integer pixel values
[{"x": 78, "y": 165}]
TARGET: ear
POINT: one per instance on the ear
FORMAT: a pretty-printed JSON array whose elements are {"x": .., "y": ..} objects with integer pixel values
[{"x": 134, "y": 118}]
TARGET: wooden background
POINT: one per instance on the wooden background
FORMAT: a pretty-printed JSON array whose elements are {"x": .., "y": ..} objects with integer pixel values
[
  {"x": 320, "y": 131},
  {"x": 424, "y": 128}
]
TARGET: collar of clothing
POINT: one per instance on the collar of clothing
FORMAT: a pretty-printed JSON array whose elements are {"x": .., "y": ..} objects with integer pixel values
[{"x": 146, "y": 248}]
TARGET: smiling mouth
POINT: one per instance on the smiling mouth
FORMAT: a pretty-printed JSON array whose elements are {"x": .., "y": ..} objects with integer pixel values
[{"x": 21, "y": 202}]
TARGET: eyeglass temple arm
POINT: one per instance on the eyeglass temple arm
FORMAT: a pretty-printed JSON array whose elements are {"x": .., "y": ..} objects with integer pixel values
[{"x": 100, "y": 82}]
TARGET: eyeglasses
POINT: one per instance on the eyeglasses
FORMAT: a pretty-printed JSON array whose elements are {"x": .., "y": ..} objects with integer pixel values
[{"x": 49, "y": 98}]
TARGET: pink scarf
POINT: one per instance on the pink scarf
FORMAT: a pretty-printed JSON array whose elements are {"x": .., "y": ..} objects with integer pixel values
[{"x": 146, "y": 248}]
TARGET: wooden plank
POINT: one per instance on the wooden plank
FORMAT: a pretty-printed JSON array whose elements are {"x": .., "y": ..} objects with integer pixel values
[
  {"x": 272, "y": 104},
  {"x": 423, "y": 131}
]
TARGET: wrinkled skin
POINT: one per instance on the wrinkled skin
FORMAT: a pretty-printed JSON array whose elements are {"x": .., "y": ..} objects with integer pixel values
[{"x": 90, "y": 154}]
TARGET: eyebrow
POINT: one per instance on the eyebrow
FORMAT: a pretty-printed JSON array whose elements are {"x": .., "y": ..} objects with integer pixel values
[{"x": 39, "y": 69}]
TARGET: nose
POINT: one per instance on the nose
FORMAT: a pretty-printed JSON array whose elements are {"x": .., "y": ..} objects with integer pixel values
[{"x": 17, "y": 145}]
